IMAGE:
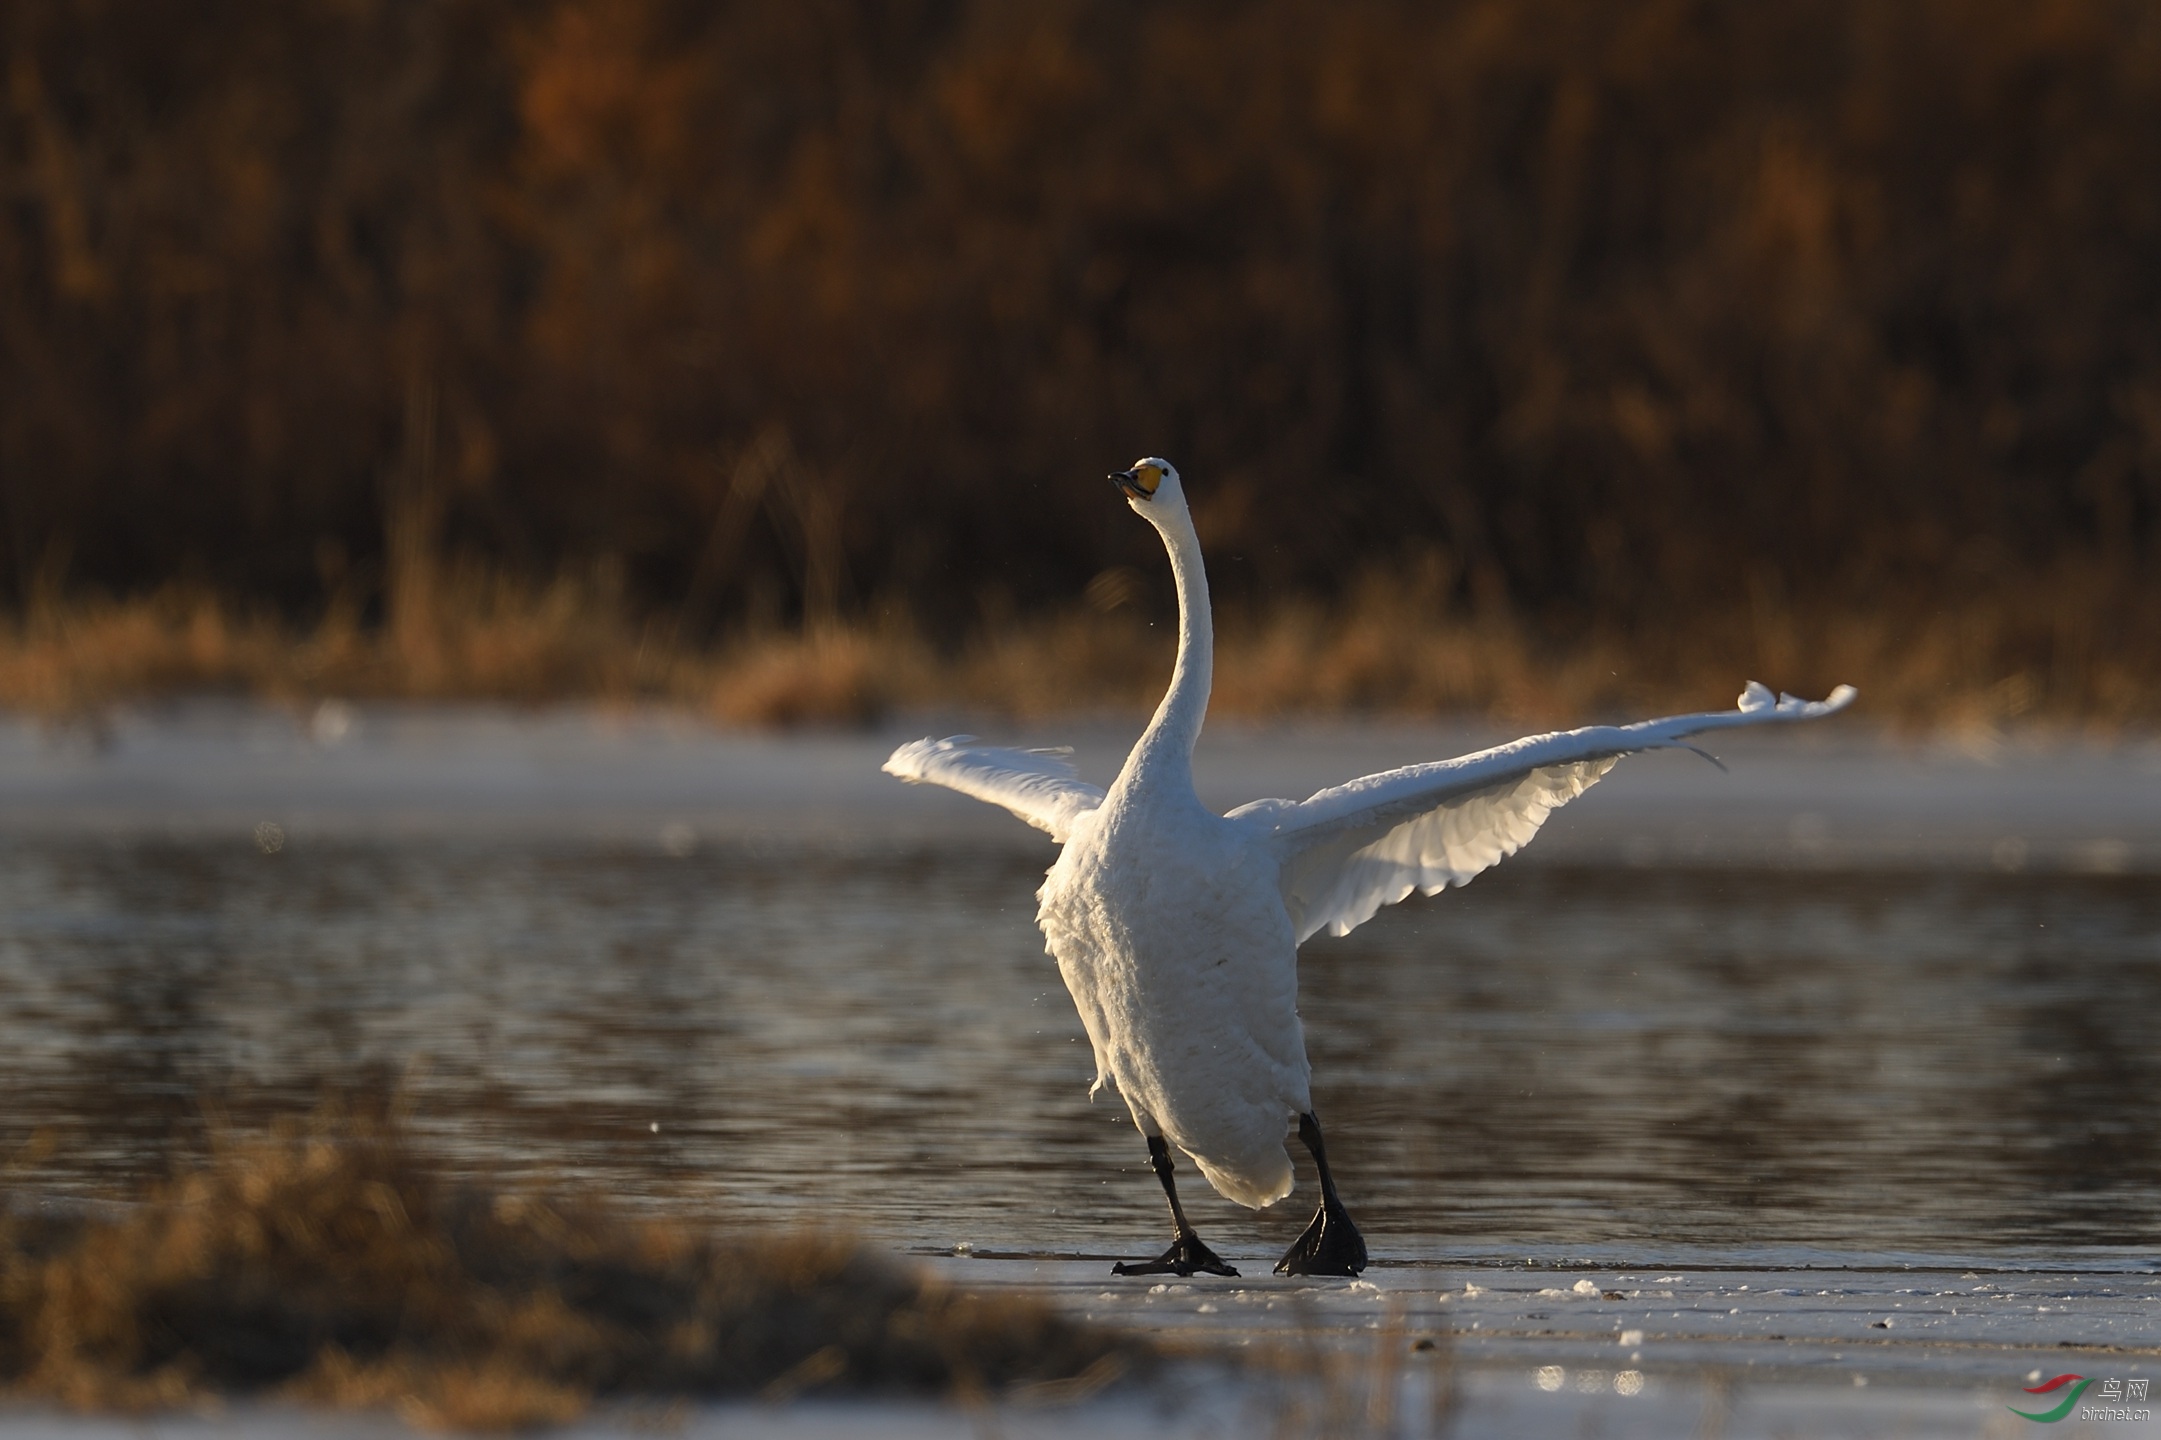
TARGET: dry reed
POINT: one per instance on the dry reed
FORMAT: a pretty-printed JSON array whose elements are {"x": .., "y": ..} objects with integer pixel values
[
  {"x": 329, "y": 1263},
  {"x": 2070, "y": 648}
]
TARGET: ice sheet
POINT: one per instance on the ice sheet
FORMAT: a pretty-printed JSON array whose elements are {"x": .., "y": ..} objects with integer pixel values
[{"x": 1835, "y": 794}]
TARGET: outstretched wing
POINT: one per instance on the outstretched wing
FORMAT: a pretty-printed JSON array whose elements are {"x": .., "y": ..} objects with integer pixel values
[
  {"x": 1037, "y": 785},
  {"x": 1348, "y": 851}
]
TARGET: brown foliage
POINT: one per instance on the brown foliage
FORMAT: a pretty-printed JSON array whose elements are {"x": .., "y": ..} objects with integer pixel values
[
  {"x": 2064, "y": 650},
  {"x": 1633, "y": 311},
  {"x": 329, "y": 1262}
]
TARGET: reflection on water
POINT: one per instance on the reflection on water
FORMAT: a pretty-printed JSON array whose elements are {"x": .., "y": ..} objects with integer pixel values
[{"x": 1553, "y": 1057}]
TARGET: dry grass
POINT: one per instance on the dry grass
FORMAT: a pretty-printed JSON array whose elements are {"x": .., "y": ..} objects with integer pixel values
[
  {"x": 329, "y": 1263},
  {"x": 2073, "y": 648}
]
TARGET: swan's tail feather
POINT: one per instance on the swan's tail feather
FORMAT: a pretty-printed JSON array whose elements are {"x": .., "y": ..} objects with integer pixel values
[{"x": 1254, "y": 1181}]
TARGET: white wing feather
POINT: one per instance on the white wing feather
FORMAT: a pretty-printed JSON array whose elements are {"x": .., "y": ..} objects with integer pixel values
[
  {"x": 1348, "y": 851},
  {"x": 1037, "y": 785}
]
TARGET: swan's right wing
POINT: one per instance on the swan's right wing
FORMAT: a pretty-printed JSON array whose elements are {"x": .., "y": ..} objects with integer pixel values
[
  {"x": 1037, "y": 785},
  {"x": 1348, "y": 851}
]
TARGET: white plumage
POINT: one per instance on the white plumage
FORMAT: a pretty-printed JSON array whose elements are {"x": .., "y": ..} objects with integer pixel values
[{"x": 1177, "y": 929}]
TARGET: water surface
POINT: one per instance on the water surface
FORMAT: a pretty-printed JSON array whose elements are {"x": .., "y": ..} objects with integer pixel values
[{"x": 1577, "y": 1060}]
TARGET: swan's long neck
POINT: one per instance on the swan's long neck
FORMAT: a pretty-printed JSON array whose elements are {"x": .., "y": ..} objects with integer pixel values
[{"x": 1167, "y": 745}]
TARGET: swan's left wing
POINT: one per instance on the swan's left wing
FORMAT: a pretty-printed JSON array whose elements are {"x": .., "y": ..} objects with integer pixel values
[
  {"x": 1037, "y": 785},
  {"x": 1348, "y": 851}
]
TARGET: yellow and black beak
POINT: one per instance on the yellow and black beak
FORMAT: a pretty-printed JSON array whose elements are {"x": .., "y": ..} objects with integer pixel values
[{"x": 1139, "y": 483}]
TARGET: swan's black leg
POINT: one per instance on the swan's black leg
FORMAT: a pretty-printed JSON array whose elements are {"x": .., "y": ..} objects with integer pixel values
[
  {"x": 1187, "y": 1254},
  {"x": 1331, "y": 1244}
]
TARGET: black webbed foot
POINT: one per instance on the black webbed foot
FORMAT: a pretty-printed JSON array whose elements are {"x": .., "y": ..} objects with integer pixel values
[
  {"x": 1330, "y": 1246},
  {"x": 1186, "y": 1256}
]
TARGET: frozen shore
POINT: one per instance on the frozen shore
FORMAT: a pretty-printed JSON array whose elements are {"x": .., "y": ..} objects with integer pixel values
[
  {"x": 1833, "y": 794},
  {"x": 1478, "y": 1352}
]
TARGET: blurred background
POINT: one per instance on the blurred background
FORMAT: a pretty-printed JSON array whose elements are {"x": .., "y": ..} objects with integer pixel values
[{"x": 1522, "y": 356}]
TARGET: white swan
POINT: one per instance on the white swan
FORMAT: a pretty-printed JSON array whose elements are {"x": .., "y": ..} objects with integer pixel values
[{"x": 1177, "y": 929}]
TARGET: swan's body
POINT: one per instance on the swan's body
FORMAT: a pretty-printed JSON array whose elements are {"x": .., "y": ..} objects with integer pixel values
[
  {"x": 1170, "y": 932},
  {"x": 1177, "y": 929}
]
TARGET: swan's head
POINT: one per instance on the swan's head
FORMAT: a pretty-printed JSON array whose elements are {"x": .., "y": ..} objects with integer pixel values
[{"x": 1149, "y": 482}]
